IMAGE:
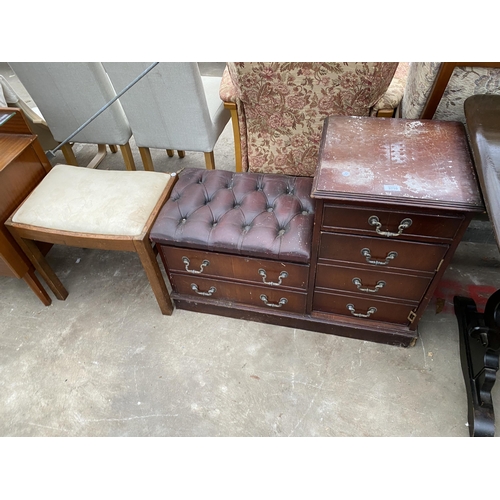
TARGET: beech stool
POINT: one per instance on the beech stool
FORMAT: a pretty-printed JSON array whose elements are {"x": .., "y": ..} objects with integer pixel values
[
  {"x": 237, "y": 241},
  {"x": 104, "y": 209}
]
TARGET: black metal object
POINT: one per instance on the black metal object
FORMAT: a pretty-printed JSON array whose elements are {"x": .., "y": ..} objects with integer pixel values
[{"x": 479, "y": 355}]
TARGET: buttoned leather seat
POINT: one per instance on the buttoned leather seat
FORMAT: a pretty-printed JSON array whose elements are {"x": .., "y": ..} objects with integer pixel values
[{"x": 263, "y": 215}]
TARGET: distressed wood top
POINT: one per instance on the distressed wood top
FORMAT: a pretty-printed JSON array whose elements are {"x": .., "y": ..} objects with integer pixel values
[{"x": 423, "y": 163}]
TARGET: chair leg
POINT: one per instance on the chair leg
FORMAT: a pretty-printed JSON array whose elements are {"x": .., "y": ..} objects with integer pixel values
[
  {"x": 181, "y": 154},
  {"x": 113, "y": 148},
  {"x": 153, "y": 272},
  {"x": 34, "y": 283},
  {"x": 69, "y": 155},
  {"x": 170, "y": 153},
  {"x": 128, "y": 158},
  {"x": 101, "y": 154},
  {"x": 210, "y": 160},
  {"x": 36, "y": 257},
  {"x": 236, "y": 134},
  {"x": 385, "y": 113},
  {"x": 147, "y": 161}
]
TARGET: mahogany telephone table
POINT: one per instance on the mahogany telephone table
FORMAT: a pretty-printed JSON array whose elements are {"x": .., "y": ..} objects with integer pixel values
[{"x": 357, "y": 252}]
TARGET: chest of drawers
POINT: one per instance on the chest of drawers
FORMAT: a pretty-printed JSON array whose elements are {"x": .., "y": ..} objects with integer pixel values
[
  {"x": 23, "y": 165},
  {"x": 394, "y": 198},
  {"x": 215, "y": 278}
]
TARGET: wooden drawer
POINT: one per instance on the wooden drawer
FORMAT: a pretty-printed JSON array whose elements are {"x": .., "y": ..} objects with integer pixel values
[
  {"x": 352, "y": 219},
  {"x": 377, "y": 252},
  {"x": 383, "y": 310},
  {"x": 376, "y": 283},
  {"x": 265, "y": 272},
  {"x": 232, "y": 292}
]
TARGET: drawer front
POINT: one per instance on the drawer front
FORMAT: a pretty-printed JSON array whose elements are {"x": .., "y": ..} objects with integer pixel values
[
  {"x": 387, "y": 224},
  {"x": 370, "y": 283},
  {"x": 379, "y": 253},
  {"x": 272, "y": 274},
  {"x": 367, "y": 308},
  {"x": 253, "y": 295}
]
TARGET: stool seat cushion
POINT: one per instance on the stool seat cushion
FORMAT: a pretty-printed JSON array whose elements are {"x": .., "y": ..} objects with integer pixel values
[
  {"x": 102, "y": 202},
  {"x": 263, "y": 215}
]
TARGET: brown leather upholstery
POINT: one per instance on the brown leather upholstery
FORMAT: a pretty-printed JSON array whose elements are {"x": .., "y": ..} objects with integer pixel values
[
  {"x": 482, "y": 114},
  {"x": 263, "y": 215}
]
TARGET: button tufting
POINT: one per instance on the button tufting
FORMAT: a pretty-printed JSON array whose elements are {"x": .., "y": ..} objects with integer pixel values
[{"x": 247, "y": 230}]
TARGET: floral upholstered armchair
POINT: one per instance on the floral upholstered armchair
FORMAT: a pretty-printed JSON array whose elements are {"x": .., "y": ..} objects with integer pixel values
[
  {"x": 438, "y": 90},
  {"x": 278, "y": 109}
]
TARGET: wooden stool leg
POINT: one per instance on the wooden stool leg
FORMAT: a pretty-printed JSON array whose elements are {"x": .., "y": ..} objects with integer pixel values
[
  {"x": 170, "y": 153},
  {"x": 128, "y": 158},
  {"x": 147, "y": 161},
  {"x": 210, "y": 160},
  {"x": 69, "y": 155},
  {"x": 34, "y": 283},
  {"x": 36, "y": 257},
  {"x": 181, "y": 153},
  {"x": 113, "y": 148},
  {"x": 150, "y": 264}
]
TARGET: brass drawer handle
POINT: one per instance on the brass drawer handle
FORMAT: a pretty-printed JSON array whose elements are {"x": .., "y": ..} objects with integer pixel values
[
  {"x": 281, "y": 303},
  {"x": 365, "y": 252},
  {"x": 281, "y": 277},
  {"x": 404, "y": 224},
  {"x": 205, "y": 263},
  {"x": 380, "y": 284},
  {"x": 370, "y": 311},
  {"x": 208, "y": 293}
]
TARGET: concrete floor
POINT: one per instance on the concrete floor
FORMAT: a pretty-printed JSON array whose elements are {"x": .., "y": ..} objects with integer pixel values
[{"x": 105, "y": 362}]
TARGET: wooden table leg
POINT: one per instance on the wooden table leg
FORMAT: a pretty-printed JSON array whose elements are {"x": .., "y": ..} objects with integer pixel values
[{"x": 36, "y": 257}]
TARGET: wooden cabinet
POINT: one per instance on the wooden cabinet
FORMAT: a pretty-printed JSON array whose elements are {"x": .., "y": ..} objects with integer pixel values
[
  {"x": 23, "y": 165},
  {"x": 395, "y": 197}
]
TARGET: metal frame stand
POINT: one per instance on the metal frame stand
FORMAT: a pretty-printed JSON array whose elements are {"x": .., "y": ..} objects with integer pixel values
[{"x": 479, "y": 356}]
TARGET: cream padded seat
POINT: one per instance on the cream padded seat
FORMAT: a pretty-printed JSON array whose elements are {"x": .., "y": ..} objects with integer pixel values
[
  {"x": 105, "y": 209},
  {"x": 111, "y": 202}
]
